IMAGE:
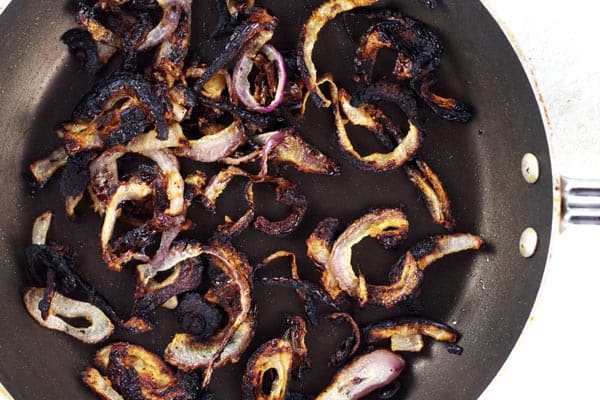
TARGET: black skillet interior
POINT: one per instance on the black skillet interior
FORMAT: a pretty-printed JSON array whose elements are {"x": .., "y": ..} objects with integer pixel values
[{"x": 487, "y": 296}]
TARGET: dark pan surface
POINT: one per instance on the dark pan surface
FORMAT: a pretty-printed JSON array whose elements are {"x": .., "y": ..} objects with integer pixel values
[{"x": 487, "y": 296}]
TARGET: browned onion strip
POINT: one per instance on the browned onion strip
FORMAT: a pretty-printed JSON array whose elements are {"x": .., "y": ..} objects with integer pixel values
[
  {"x": 435, "y": 195},
  {"x": 100, "y": 384},
  {"x": 241, "y": 84},
  {"x": 405, "y": 283},
  {"x": 405, "y": 149},
  {"x": 319, "y": 249},
  {"x": 406, "y": 333},
  {"x": 293, "y": 149},
  {"x": 274, "y": 355},
  {"x": 128, "y": 191},
  {"x": 350, "y": 345},
  {"x": 71, "y": 203},
  {"x": 376, "y": 224},
  {"x": 310, "y": 33},
  {"x": 61, "y": 308},
  {"x": 363, "y": 375},
  {"x": 41, "y": 225},
  {"x": 45, "y": 168},
  {"x": 135, "y": 371},
  {"x": 187, "y": 353},
  {"x": 431, "y": 250},
  {"x": 168, "y": 24},
  {"x": 211, "y": 148},
  {"x": 288, "y": 194}
]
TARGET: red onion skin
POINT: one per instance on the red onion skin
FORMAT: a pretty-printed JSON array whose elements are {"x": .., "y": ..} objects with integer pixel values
[
  {"x": 241, "y": 85},
  {"x": 364, "y": 375},
  {"x": 272, "y": 142}
]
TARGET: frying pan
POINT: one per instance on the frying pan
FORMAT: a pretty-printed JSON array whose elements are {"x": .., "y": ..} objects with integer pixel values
[{"x": 487, "y": 296}]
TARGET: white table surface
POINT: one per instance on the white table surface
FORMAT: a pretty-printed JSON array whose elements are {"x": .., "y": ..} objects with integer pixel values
[{"x": 557, "y": 356}]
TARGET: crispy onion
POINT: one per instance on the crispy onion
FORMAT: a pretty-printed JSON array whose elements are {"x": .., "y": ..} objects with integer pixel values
[
  {"x": 187, "y": 353},
  {"x": 172, "y": 10},
  {"x": 405, "y": 149},
  {"x": 310, "y": 33},
  {"x": 406, "y": 334},
  {"x": 241, "y": 84},
  {"x": 122, "y": 85},
  {"x": 363, "y": 375},
  {"x": 288, "y": 146},
  {"x": 380, "y": 224},
  {"x": 418, "y": 47},
  {"x": 41, "y": 225},
  {"x": 318, "y": 247},
  {"x": 433, "y": 191},
  {"x": 275, "y": 355},
  {"x": 445, "y": 107},
  {"x": 99, "y": 329},
  {"x": 254, "y": 32},
  {"x": 133, "y": 372},
  {"x": 42, "y": 170}
]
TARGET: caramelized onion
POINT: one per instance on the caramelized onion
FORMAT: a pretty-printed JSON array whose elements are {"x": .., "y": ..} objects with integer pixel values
[
  {"x": 310, "y": 33},
  {"x": 63, "y": 308},
  {"x": 241, "y": 84}
]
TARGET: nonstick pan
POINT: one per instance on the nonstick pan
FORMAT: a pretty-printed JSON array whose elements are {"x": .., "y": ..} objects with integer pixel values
[{"x": 487, "y": 295}]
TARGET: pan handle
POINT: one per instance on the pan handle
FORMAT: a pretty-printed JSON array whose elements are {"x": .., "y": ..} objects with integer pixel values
[{"x": 580, "y": 201}]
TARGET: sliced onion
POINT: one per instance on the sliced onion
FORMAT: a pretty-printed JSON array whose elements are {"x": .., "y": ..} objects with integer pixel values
[
  {"x": 100, "y": 327},
  {"x": 43, "y": 169},
  {"x": 276, "y": 355},
  {"x": 375, "y": 224},
  {"x": 433, "y": 191},
  {"x": 100, "y": 384},
  {"x": 167, "y": 25},
  {"x": 310, "y": 33},
  {"x": 364, "y": 375},
  {"x": 241, "y": 84},
  {"x": 41, "y": 225}
]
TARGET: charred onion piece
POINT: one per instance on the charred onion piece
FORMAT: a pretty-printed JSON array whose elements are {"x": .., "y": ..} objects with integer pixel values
[
  {"x": 99, "y": 326},
  {"x": 170, "y": 58},
  {"x": 241, "y": 84},
  {"x": 122, "y": 85},
  {"x": 136, "y": 374},
  {"x": 186, "y": 352},
  {"x": 446, "y": 108},
  {"x": 255, "y": 31},
  {"x": 363, "y": 375},
  {"x": 42, "y": 170},
  {"x": 432, "y": 189},
  {"x": 319, "y": 249},
  {"x": 406, "y": 334},
  {"x": 310, "y": 33},
  {"x": 418, "y": 48},
  {"x": 350, "y": 345},
  {"x": 198, "y": 317},
  {"x": 381, "y": 224},
  {"x": 83, "y": 47},
  {"x": 172, "y": 10},
  {"x": 436, "y": 247},
  {"x": 288, "y": 194},
  {"x": 276, "y": 355},
  {"x": 293, "y": 149},
  {"x": 403, "y": 151}
]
